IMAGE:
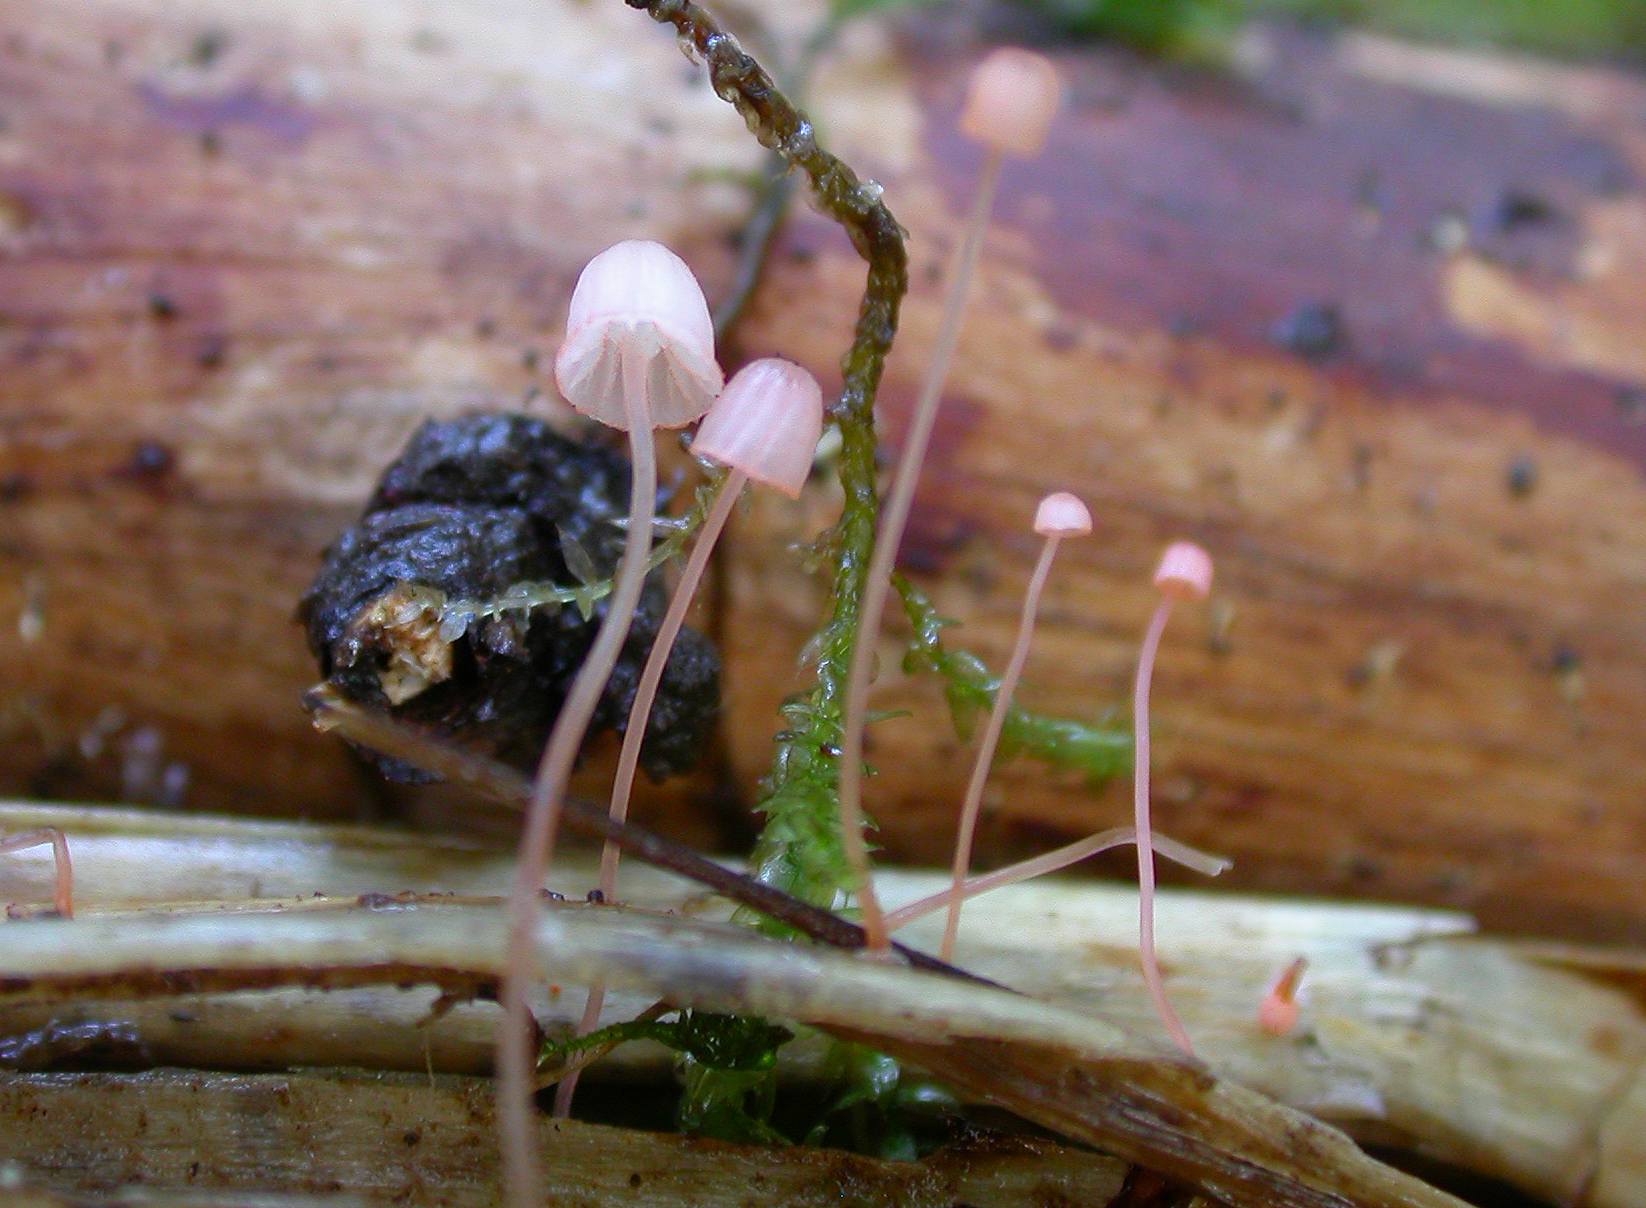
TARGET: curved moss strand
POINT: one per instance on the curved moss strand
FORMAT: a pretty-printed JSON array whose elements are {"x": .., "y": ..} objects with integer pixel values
[
  {"x": 1098, "y": 751},
  {"x": 799, "y": 849},
  {"x": 529, "y": 594}
]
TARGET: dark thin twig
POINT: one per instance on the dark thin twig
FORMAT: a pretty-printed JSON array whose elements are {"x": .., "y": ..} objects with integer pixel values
[
  {"x": 509, "y": 788},
  {"x": 754, "y": 244}
]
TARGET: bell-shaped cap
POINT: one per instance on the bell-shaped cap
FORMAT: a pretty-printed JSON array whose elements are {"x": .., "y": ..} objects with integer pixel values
[
  {"x": 1185, "y": 572},
  {"x": 766, "y": 423},
  {"x": 1061, "y": 514},
  {"x": 1012, "y": 98},
  {"x": 637, "y": 299}
]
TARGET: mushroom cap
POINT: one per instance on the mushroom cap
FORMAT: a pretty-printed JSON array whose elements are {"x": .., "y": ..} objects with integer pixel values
[
  {"x": 637, "y": 299},
  {"x": 1012, "y": 98},
  {"x": 1061, "y": 514},
  {"x": 766, "y": 424},
  {"x": 1185, "y": 572}
]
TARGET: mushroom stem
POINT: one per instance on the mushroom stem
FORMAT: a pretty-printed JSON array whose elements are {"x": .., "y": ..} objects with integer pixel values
[
  {"x": 628, "y": 760},
  {"x": 1054, "y": 861},
  {"x": 1145, "y": 850},
  {"x": 877, "y": 583},
  {"x": 63, "y": 872},
  {"x": 515, "y": 1064},
  {"x": 991, "y": 738}
]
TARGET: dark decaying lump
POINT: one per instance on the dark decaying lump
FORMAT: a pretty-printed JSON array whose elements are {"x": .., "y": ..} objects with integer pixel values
[{"x": 470, "y": 507}]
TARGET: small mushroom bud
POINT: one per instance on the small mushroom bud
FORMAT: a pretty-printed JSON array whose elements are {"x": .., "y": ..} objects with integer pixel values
[{"x": 1278, "y": 1013}]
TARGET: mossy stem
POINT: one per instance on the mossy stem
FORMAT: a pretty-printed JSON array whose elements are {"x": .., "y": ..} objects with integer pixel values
[{"x": 803, "y": 765}]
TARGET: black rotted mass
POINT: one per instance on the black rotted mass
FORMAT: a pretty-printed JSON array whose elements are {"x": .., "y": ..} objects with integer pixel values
[{"x": 469, "y": 508}]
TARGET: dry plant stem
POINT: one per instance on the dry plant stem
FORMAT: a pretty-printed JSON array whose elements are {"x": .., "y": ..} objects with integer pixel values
[
  {"x": 508, "y": 788},
  {"x": 516, "y": 1064},
  {"x": 1050, "y": 862},
  {"x": 1145, "y": 851},
  {"x": 628, "y": 760},
  {"x": 973, "y": 802},
  {"x": 877, "y": 584}
]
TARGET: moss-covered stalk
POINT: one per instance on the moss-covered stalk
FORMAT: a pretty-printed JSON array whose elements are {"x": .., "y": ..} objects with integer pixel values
[{"x": 799, "y": 849}]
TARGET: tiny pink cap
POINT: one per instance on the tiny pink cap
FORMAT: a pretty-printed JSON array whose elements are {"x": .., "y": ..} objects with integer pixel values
[
  {"x": 1185, "y": 572},
  {"x": 638, "y": 299},
  {"x": 1276, "y": 1015},
  {"x": 1060, "y": 514},
  {"x": 1012, "y": 98},
  {"x": 766, "y": 423}
]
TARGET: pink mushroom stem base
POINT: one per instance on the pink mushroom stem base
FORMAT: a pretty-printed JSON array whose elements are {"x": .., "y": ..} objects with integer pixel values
[
  {"x": 1145, "y": 849},
  {"x": 628, "y": 760},
  {"x": 516, "y": 1064}
]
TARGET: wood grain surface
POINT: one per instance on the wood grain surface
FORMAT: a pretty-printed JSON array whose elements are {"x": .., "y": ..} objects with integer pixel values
[{"x": 243, "y": 254}]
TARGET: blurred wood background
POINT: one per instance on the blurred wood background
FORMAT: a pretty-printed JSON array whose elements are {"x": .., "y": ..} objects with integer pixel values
[{"x": 1366, "y": 319}]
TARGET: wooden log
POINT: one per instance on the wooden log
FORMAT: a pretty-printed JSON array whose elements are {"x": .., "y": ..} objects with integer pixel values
[
  {"x": 426, "y": 1140},
  {"x": 1369, "y": 334},
  {"x": 1414, "y": 1033},
  {"x": 240, "y": 258}
]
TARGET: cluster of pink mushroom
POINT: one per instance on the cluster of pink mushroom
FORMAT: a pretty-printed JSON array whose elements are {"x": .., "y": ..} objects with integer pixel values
[{"x": 639, "y": 355}]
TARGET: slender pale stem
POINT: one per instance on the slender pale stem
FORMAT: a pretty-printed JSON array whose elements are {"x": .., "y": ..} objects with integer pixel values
[
  {"x": 515, "y": 1059},
  {"x": 973, "y": 802},
  {"x": 877, "y": 583},
  {"x": 1145, "y": 851},
  {"x": 1050, "y": 862},
  {"x": 628, "y": 760},
  {"x": 63, "y": 881}
]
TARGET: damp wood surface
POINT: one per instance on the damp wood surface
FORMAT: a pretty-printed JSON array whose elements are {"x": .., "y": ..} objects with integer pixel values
[
  {"x": 432, "y": 1140},
  {"x": 1519, "y": 1063},
  {"x": 1363, "y": 318}
]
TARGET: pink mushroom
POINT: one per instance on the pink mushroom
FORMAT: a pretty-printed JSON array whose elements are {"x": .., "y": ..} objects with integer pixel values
[
  {"x": 1184, "y": 573},
  {"x": 638, "y": 354},
  {"x": 1059, "y": 515},
  {"x": 1278, "y": 1012},
  {"x": 765, "y": 426}
]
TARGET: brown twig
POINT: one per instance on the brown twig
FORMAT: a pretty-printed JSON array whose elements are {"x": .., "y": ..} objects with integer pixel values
[{"x": 509, "y": 788}]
